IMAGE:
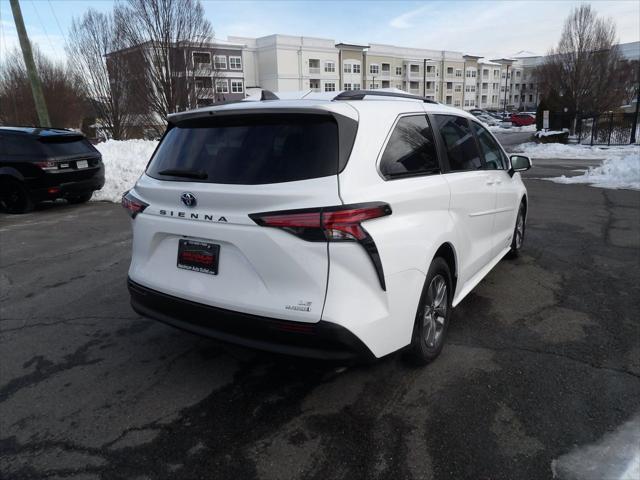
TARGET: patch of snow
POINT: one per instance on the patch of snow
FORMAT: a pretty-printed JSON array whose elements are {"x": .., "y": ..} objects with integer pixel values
[
  {"x": 124, "y": 161},
  {"x": 614, "y": 173},
  {"x": 560, "y": 150},
  {"x": 526, "y": 128},
  {"x": 548, "y": 133}
]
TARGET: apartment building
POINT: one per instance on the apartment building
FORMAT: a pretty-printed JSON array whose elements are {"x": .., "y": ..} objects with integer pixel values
[{"x": 205, "y": 73}]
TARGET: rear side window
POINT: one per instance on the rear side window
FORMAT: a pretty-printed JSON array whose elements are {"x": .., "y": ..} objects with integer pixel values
[
  {"x": 459, "y": 143},
  {"x": 65, "y": 146},
  {"x": 249, "y": 149},
  {"x": 493, "y": 156},
  {"x": 20, "y": 145},
  {"x": 410, "y": 150}
]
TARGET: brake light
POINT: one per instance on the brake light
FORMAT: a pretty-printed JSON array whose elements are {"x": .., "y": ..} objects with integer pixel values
[
  {"x": 47, "y": 165},
  {"x": 132, "y": 204},
  {"x": 340, "y": 223}
]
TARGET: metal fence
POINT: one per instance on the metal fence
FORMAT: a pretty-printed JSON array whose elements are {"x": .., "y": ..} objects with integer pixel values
[{"x": 606, "y": 129}]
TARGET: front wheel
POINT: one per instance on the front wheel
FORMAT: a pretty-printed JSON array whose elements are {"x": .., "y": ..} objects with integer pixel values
[
  {"x": 434, "y": 312},
  {"x": 518, "y": 234}
]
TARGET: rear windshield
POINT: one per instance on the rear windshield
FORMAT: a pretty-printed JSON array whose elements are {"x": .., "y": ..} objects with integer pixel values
[
  {"x": 66, "y": 146},
  {"x": 248, "y": 149}
]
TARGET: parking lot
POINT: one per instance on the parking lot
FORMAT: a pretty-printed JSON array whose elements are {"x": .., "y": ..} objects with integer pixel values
[{"x": 542, "y": 359}]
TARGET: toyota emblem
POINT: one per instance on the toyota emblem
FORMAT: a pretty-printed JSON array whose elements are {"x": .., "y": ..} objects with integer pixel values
[{"x": 189, "y": 199}]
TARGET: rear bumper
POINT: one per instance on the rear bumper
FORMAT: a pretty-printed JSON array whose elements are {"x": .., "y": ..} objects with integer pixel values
[
  {"x": 321, "y": 340},
  {"x": 67, "y": 184}
]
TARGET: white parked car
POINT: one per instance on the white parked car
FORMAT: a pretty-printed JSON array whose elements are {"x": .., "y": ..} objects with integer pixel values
[{"x": 328, "y": 227}]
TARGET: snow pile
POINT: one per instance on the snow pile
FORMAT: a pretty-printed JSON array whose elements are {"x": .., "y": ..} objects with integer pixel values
[
  {"x": 559, "y": 150},
  {"x": 615, "y": 172},
  {"x": 124, "y": 161}
]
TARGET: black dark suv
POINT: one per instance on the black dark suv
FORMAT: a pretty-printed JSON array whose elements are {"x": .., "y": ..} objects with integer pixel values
[{"x": 38, "y": 164}]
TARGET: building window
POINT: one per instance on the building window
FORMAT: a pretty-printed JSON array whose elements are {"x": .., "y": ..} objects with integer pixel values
[
  {"x": 531, "y": 98},
  {"x": 346, "y": 68},
  {"x": 386, "y": 68},
  {"x": 485, "y": 73},
  {"x": 496, "y": 73},
  {"x": 220, "y": 62},
  {"x": 414, "y": 85},
  {"x": 449, "y": 70},
  {"x": 471, "y": 73},
  {"x": 330, "y": 87},
  {"x": 347, "y": 86},
  {"x": 458, "y": 72},
  {"x": 201, "y": 58},
  {"x": 222, "y": 86},
  {"x": 314, "y": 65},
  {"x": 430, "y": 97},
  {"x": 235, "y": 63},
  {"x": 374, "y": 86},
  {"x": 449, "y": 100},
  {"x": 430, "y": 69},
  {"x": 314, "y": 85},
  {"x": 398, "y": 71},
  {"x": 456, "y": 103},
  {"x": 414, "y": 68},
  {"x": 329, "y": 67},
  {"x": 399, "y": 86},
  {"x": 237, "y": 86},
  {"x": 356, "y": 86},
  {"x": 374, "y": 69},
  {"x": 429, "y": 85},
  {"x": 356, "y": 68},
  {"x": 449, "y": 85},
  {"x": 458, "y": 88},
  {"x": 472, "y": 103},
  {"x": 517, "y": 73}
]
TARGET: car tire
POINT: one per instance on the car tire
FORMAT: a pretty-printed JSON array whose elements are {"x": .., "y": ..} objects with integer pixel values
[
  {"x": 15, "y": 197},
  {"x": 518, "y": 233},
  {"x": 85, "y": 197},
  {"x": 433, "y": 314}
]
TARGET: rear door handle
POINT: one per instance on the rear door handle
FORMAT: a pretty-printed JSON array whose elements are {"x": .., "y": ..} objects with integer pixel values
[{"x": 490, "y": 182}]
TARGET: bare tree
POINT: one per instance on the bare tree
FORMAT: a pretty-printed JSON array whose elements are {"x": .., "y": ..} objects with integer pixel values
[
  {"x": 104, "y": 79},
  {"x": 584, "y": 69},
  {"x": 61, "y": 88},
  {"x": 164, "y": 31}
]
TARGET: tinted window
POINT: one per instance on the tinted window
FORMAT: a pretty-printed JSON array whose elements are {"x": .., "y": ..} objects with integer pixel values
[
  {"x": 459, "y": 143},
  {"x": 250, "y": 149},
  {"x": 21, "y": 145},
  {"x": 411, "y": 150},
  {"x": 493, "y": 156},
  {"x": 66, "y": 146}
]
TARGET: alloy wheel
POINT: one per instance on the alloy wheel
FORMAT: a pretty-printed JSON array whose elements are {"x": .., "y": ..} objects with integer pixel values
[{"x": 435, "y": 311}]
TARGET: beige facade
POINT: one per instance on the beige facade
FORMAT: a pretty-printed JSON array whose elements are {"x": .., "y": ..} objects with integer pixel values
[{"x": 291, "y": 63}]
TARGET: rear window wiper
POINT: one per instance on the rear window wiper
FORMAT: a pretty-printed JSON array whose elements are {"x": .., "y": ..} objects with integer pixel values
[{"x": 178, "y": 172}]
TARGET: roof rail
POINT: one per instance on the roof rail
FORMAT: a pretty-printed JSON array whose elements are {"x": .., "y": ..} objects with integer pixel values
[
  {"x": 360, "y": 94},
  {"x": 268, "y": 95}
]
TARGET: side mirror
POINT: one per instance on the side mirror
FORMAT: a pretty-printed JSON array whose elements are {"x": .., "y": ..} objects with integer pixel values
[{"x": 519, "y": 163}]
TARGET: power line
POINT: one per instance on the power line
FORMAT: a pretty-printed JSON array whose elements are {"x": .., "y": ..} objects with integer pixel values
[
  {"x": 55, "y": 18},
  {"x": 53, "y": 47}
]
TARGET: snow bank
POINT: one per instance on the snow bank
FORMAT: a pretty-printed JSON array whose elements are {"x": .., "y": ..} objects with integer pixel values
[
  {"x": 615, "y": 173},
  {"x": 559, "y": 150},
  {"x": 124, "y": 161}
]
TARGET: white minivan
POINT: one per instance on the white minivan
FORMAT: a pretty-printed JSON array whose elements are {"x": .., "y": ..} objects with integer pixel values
[{"x": 345, "y": 225}]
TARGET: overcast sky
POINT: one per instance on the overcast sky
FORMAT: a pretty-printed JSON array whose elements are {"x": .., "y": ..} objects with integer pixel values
[{"x": 477, "y": 27}]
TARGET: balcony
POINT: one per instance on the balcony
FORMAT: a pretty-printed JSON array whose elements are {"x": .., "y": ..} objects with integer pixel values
[
  {"x": 202, "y": 66},
  {"x": 204, "y": 92},
  {"x": 314, "y": 70}
]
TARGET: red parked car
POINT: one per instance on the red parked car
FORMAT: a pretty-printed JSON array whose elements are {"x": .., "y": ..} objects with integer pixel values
[{"x": 522, "y": 119}]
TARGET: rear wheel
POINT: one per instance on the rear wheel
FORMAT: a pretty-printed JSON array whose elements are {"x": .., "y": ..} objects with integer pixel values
[
  {"x": 85, "y": 197},
  {"x": 434, "y": 312},
  {"x": 518, "y": 234},
  {"x": 15, "y": 197}
]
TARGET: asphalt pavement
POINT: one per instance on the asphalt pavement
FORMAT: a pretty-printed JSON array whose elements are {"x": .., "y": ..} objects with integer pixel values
[{"x": 542, "y": 363}]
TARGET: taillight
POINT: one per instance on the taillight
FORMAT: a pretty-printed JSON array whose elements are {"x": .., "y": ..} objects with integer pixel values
[
  {"x": 339, "y": 223},
  {"x": 132, "y": 204},
  {"x": 47, "y": 165}
]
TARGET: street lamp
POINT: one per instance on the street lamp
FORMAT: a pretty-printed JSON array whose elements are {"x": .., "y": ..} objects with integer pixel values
[{"x": 504, "y": 106}]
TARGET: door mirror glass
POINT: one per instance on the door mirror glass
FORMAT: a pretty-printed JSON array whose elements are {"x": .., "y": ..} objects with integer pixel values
[{"x": 520, "y": 163}]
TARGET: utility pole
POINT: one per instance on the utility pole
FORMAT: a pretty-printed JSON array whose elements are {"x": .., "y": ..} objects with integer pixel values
[
  {"x": 634, "y": 127},
  {"x": 32, "y": 73}
]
